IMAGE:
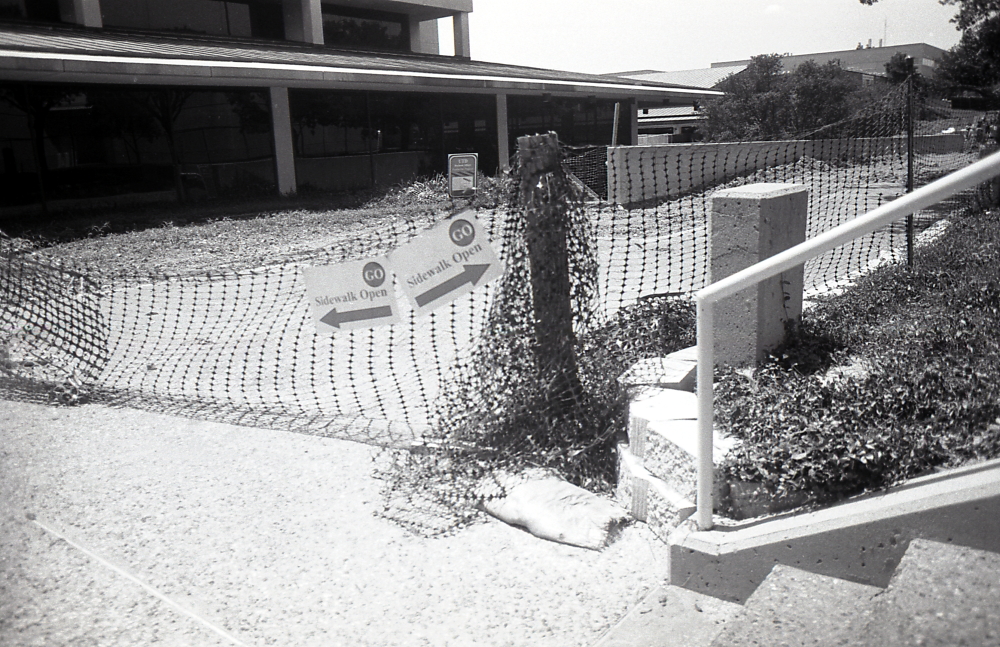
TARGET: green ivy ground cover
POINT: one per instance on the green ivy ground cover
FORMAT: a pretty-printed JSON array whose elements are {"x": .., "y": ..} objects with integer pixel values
[{"x": 923, "y": 390}]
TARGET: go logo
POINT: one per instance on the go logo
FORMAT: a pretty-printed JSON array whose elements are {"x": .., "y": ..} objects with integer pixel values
[
  {"x": 374, "y": 274},
  {"x": 462, "y": 233}
]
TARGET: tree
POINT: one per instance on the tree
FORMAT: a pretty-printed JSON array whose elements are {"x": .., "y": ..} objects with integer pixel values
[
  {"x": 765, "y": 103},
  {"x": 755, "y": 103},
  {"x": 820, "y": 95},
  {"x": 898, "y": 68},
  {"x": 975, "y": 60}
]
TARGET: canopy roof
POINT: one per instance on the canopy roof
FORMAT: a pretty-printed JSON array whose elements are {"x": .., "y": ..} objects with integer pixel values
[{"x": 66, "y": 54}]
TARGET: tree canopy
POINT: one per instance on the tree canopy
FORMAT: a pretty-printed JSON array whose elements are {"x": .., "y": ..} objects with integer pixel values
[
  {"x": 975, "y": 60},
  {"x": 764, "y": 103}
]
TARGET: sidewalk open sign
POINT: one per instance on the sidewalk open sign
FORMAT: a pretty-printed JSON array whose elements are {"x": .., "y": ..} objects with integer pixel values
[{"x": 462, "y": 174}]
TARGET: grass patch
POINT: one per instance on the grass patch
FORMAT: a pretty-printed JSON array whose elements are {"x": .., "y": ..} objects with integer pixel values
[{"x": 896, "y": 377}]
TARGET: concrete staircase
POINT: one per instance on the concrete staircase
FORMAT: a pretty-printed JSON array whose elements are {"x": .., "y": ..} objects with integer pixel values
[
  {"x": 940, "y": 594},
  {"x": 735, "y": 584},
  {"x": 658, "y": 461}
]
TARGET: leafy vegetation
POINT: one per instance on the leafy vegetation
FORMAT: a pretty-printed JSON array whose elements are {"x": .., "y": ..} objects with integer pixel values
[
  {"x": 766, "y": 103},
  {"x": 897, "y": 376},
  {"x": 975, "y": 61}
]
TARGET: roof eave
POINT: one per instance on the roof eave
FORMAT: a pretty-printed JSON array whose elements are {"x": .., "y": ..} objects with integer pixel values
[{"x": 62, "y": 67}]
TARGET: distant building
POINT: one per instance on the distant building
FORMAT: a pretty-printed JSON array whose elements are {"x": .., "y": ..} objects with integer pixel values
[
  {"x": 868, "y": 60},
  {"x": 228, "y": 97},
  {"x": 680, "y": 123},
  {"x": 677, "y": 124}
]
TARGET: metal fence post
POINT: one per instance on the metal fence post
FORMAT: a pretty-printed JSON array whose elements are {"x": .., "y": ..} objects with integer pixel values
[{"x": 909, "y": 156}]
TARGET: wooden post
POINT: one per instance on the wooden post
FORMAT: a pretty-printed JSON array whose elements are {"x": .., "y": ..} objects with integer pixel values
[{"x": 542, "y": 191}]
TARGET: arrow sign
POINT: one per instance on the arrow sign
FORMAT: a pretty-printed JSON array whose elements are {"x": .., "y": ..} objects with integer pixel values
[
  {"x": 352, "y": 294},
  {"x": 471, "y": 274},
  {"x": 445, "y": 262},
  {"x": 334, "y": 318}
]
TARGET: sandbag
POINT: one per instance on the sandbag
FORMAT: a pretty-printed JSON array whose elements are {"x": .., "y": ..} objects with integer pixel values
[{"x": 553, "y": 509}]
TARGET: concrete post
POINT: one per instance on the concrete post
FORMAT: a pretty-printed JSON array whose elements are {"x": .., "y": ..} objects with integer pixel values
[
  {"x": 633, "y": 130},
  {"x": 503, "y": 135},
  {"x": 303, "y": 21},
  {"x": 424, "y": 36},
  {"x": 284, "y": 152},
  {"x": 748, "y": 224},
  {"x": 81, "y": 12},
  {"x": 460, "y": 21}
]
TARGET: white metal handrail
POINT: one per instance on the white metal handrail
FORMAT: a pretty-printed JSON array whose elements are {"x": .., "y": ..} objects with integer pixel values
[{"x": 706, "y": 298}]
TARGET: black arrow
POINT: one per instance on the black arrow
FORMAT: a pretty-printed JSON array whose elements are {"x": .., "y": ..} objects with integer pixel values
[
  {"x": 472, "y": 274},
  {"x": 334, "y": 318}
]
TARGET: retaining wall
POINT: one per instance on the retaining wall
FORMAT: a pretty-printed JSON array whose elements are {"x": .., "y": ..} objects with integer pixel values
[{"x": 638, "y": 174}]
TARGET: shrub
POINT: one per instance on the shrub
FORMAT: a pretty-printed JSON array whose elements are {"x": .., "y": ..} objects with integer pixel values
[{"x": 928, "y": 397}]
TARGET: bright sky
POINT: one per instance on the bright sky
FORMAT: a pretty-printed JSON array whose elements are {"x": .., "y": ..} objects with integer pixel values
[{"x": 613, "y": 36}]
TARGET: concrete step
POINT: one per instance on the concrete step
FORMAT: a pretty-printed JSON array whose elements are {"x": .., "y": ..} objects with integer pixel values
[
  {"x": 675, "y": 371},
  {"x": 648, "y": 498},
  {"x": 795, "y": 607},
  {"x": 941, "y": 594},
  {"x": 657, "y": 466},
  {"x": 670, "y": 616},
  {"x": 670, "y": 444}
]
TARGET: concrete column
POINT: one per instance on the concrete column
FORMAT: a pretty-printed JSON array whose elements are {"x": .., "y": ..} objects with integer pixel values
[
  {"x": 748, "y": 224},
  {"x": 460, "y": 21},
  {"x": 81, "y": 12},
  {"x": 633, "y": 121},
  {"x": 424, "y": 36},
  {"x": 303, "y": 21},
  {"x": 284, "y": 152},
  {"x": 503, "y": 135}
]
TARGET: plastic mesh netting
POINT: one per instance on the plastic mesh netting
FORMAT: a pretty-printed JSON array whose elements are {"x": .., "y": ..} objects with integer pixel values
[{"x": 461, "y": 393}]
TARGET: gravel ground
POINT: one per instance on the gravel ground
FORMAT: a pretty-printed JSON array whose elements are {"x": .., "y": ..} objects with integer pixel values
[{"x": 271, "y": 536}]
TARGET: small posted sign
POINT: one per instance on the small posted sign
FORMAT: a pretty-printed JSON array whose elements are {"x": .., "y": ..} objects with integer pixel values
[{"x": 462, "y": 174}]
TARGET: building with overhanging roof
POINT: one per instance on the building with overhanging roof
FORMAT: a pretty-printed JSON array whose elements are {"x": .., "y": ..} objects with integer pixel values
[
  {"x": 215, "y": 97},
  {"x": 676, "y": 123}
]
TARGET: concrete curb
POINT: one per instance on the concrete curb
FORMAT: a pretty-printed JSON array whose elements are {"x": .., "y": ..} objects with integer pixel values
[{"x": 861, "y": 540}]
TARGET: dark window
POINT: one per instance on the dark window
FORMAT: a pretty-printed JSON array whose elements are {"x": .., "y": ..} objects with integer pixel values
[
  {"x": 266, "y": 21},
  {"x": 213, "y": 17},
  {"x": 330, "y": 124},
  {"x": 35, "y": 10},
  {"x": 578, "y": 122},
  {"x": 357, "y": 29}
]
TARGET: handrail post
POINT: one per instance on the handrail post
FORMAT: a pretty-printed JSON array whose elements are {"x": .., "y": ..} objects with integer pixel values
[{"x": 706, "y": 412}]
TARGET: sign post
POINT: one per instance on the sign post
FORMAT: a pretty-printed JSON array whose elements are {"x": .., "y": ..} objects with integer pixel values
[
  {"x": 357, "y": 294},
  {"x": 445, "y": 262},
  {"x": 462, "y": 175}
]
